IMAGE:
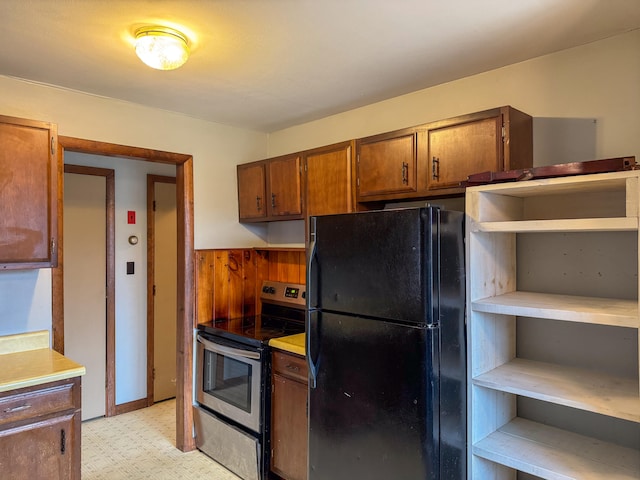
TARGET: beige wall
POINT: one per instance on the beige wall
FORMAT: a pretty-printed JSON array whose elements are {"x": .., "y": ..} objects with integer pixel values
[
  {"x": 25, "y": 296},
  {"x": 216, "y": 148},
  {"x": 600, "y": 81}
]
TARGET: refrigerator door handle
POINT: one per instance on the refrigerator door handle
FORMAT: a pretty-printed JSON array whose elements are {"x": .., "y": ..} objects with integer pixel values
[
  {"x": 311, "y": 284},
  {"x": 311, "y": 363}
]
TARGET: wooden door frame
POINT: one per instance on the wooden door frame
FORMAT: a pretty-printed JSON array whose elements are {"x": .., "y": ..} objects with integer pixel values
[
  {"x": 110, "y": 373},
  {"x": 151, "y": 250},
  {"x": 185, "y": 268}
]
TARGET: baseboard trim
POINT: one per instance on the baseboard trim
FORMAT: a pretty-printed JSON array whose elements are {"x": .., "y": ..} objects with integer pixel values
[{"x": 131, "y": 406}]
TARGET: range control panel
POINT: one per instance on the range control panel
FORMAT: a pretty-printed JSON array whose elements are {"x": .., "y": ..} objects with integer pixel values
[{"x": 290, "y": 294}]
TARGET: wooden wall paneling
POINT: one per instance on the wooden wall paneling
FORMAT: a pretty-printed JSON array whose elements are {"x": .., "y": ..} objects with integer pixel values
[
  {"x": 235, "y": 274},
  {"x": 261, "y": 260},
  {"x": 204, "y": 285},
  {"x": 228, "y": 282},
  {"x": 302, "y": 261},
  {"x": 250, "y": 283},
  {"x": 221, "y": 285},
  {"x": 285, "y": 266}
]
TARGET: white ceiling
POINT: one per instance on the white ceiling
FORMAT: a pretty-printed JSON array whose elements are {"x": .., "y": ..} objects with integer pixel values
[{"x": 269, "y": 64}]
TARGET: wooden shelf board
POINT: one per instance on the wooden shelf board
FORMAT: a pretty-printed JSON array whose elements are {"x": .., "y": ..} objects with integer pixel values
[
  {"x": 601, "y": 311},
  {"x": 556, "y": 454},
  {"x": 613, "y": 181},
  {"x": 573, "y": 387},
  {"x": 620, "y": 224}
]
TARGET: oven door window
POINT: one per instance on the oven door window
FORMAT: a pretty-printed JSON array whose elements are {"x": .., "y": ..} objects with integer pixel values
[
  {"x": 229, "y": 382},
  {"x": 228, "y": 379}
]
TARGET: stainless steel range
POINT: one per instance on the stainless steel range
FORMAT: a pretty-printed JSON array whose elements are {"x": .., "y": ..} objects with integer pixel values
[{"x": 233, "y": 387}]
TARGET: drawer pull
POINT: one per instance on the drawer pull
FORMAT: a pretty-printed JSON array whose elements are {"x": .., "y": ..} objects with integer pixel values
[
  {"x": 17, "y": 409},
  {"x": 435, "y": 168},
  {"x": 293, "y": 368},
  {"x": 405, "y": 173}
]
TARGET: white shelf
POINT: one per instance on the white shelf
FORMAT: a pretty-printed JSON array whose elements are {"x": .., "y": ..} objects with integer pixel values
[
  {"x": 556, "y": 454},
  {"x": 606, "y": 208},
  {"x": 600, "y": 311},
  {"x": 573, "y": 387},
  {"x": 621, "y": 224}
]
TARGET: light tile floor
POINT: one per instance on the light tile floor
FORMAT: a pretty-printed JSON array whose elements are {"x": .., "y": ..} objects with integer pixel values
[{"x": 141, "y": 445}]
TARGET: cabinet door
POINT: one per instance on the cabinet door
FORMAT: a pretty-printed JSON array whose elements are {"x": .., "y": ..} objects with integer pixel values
[
  {"x": 387, "y": 164},
  {"x": 29, "y": 188},
  {"x": 457, "y": 151},
  {"x": 289, "y": 428},
  {"x": 251, "y": 191},
  {"x": 40, "y": 450},
  {"x": 285, "y": 187},
  {"x": 329, "y": 180}
]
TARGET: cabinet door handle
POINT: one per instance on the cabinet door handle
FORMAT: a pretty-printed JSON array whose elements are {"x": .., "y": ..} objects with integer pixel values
[
  {"x": 259, "y": 203},
  {"x": 273, "y": 200},
  {"x": 435, "y": 168},
  {"x": 17, "y": 409},
  {"x": 293, "y": 368},
  {"x": 405, "y": 173}
]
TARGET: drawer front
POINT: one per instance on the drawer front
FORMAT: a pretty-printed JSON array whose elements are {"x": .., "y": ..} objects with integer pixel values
[
  {"x": 291, "y": 366},
  {"x": 35, "y": 403}
]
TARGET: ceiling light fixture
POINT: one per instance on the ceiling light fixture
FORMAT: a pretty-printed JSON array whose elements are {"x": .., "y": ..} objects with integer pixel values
[{"x": 162, "y": 48}]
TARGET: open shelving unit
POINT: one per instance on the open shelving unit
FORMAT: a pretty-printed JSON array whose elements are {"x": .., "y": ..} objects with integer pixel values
[{"x": 501, "y": 441}]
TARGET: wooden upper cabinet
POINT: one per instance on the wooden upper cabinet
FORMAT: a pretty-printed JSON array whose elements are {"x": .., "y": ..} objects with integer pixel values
[
  {"x": 329, "y": 175},
  {"x": 489, "y": 141},
  {"x": 387, "y": 164},
  {"x": 30, "y": 179},
  {"x": 429, "y": 160},
  {"x": 435, "y": 158},
  {"x": 252, "y": 191},
  {"x": 458, "y": 151},
  {"x": 285, "y": 186},
  {"x": 270, "y": 189}
]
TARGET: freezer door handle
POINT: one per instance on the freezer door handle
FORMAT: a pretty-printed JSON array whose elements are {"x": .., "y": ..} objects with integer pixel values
[
  {"x": 312, "y": 329},
  {"x": 311, "y": 284}
]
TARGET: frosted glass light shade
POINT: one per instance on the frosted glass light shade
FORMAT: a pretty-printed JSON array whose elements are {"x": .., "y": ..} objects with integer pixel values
[{"x": 161, "y": 48}]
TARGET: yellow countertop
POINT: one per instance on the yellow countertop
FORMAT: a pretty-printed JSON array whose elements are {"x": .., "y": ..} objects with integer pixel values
[
  {"x": 25, "y": 362},
  {"x": 292, "y": 343}
]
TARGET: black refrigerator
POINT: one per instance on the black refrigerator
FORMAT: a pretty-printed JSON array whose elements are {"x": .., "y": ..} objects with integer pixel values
[{"x": 386, "y": 345}]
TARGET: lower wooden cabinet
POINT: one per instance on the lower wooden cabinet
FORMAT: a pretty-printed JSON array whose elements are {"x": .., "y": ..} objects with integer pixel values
[
  {"x": 289, "y": 416},
  {"x": 40, "y": 431}
]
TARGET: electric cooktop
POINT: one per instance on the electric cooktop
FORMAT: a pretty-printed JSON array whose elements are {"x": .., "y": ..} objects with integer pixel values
[{"x": 283, "y": 314}]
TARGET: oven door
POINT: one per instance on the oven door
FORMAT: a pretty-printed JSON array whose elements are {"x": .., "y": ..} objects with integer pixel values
[{"x": 229, "y": 380}]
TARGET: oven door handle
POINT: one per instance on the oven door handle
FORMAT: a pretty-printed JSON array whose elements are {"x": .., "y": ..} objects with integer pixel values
[{"x": 216, "y": 347}]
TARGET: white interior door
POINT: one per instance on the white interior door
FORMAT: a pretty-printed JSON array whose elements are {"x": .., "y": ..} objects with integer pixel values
[
  {"x": 85, "y": 319},
  {"x": 165, "y": 280}
]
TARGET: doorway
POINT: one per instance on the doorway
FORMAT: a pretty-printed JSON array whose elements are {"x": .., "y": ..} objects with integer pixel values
[
  {"x": 161, "y": 288},
  {"x": 88, "y": 279},
  {"x": 185, "y": 270}
]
